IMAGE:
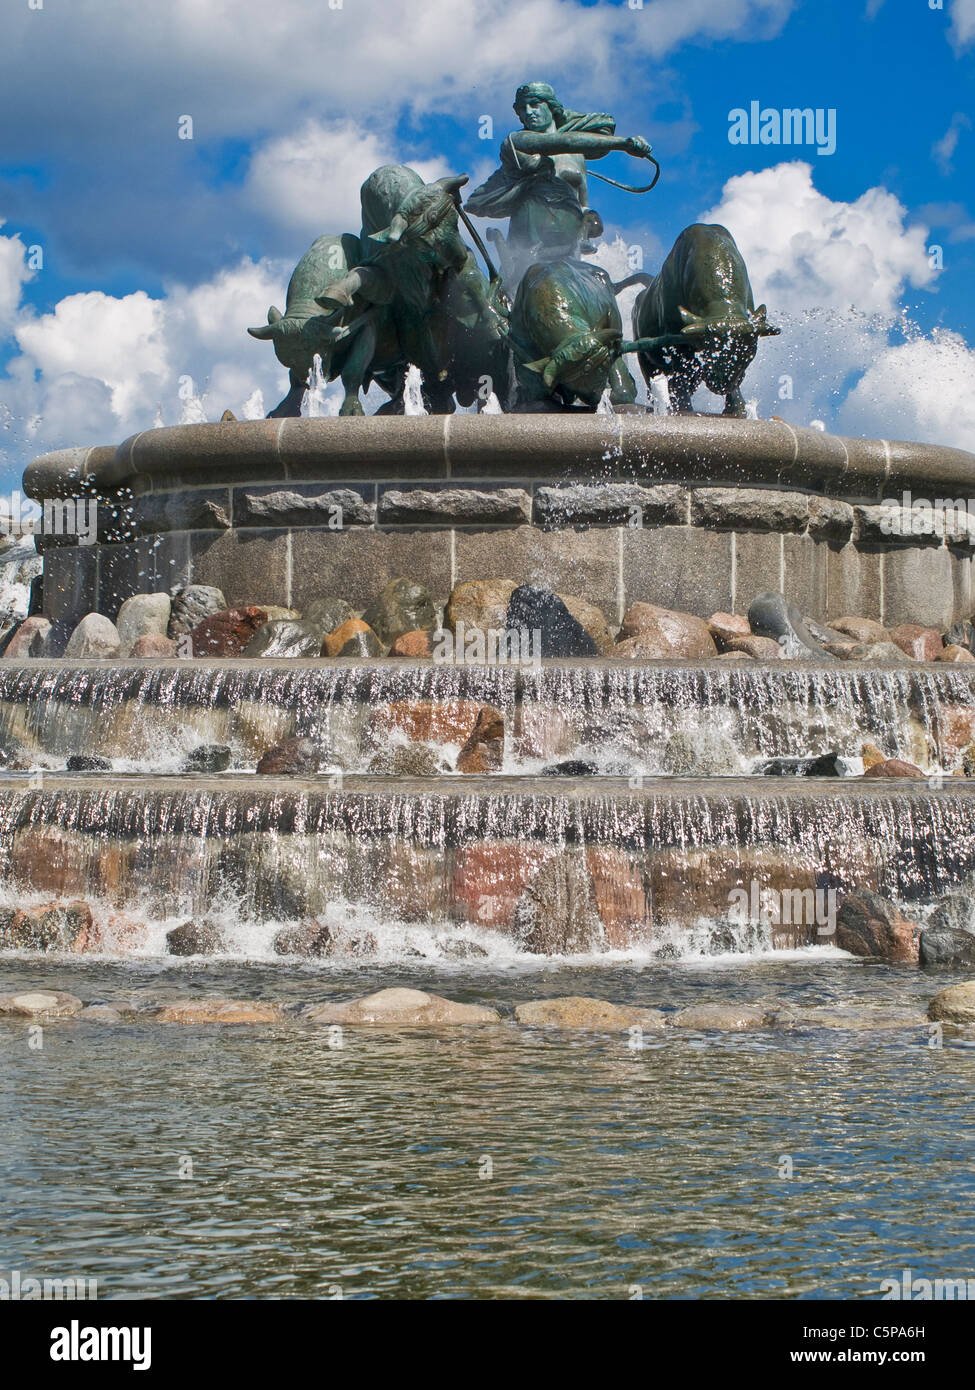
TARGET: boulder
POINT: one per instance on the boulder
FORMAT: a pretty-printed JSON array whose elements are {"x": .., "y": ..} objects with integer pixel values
[
  {"x": 29, "y": 639},
  {"x": 40, "y": 1003},
  {"x": 558, "y": 913},
  {"x": 662, "y": 633},
  {"x": 334, "y": 641},
  {"x": 153, "y": 645},
  {"x": 101, "y": 1013},
  {"x": 409, "y": 760},
  {"x": 535, "y": 609},
  {"x": 955, "y": 1004},
  {"x": 576, "y": 1011},
  {"x": 326, "y": 614},
  {"x": 293, "y": 757},
  {"x": 277, "y": 614},
  {"x": 227, "y": 633},
  {"x": 141, "y": 616},
  {"x": 956, "y": 912},
  {"x": 723, "y": 626},
  {"x": 50, "y": 927},
  {"x": 857, "y": 1018},
  {"x": 219, "y": 1011},
  {"x": 191, "y": 605},
  {"x": 194, "y": 939},
  {"x": 314, "y": 938},
  {"x": 961, "y": 634},
  {"x": 827, "y": 765},
  {"x": 424, "y": 721},
  {"x": 479, "y": 603},
  {"x": 871, "y": 756},
  {"x": 401, "y": 1008},
  {"x": 877, "y": 654},
  {"x": 208, "y": 757},
  {"x": 592, "y": 619},
  {"x": 284, "y": 639},
  {"x": 416, "y": 644},
  {"x": 761, "y": 648},
  {"x": 403, "y": 606},
  {"x": 484, "y": 750},
  {"x": 725, "y": 1018},
  {"x": 361, "y": 644},
  {"x": 947, "y": 946},
  {"x": 871, "y": 926},
  {"x": 921, "y": 643},
  {"x": 772, "y": 615},
  {"x": 88, "y": 762},
  {"x": 461, "y": 948},
  {"x": 893, "y": 767},
  {"x": 954, "y": 652},
  {"x": 863, "y": 630},
  {"x": 95, "y": 638}
]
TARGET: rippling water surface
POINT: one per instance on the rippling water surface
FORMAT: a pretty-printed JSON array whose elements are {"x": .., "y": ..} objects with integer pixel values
[{"x": 359, "y": 1169}]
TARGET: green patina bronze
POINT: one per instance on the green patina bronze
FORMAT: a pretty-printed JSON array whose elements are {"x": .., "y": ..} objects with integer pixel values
[{"x": 408, "y": 289}]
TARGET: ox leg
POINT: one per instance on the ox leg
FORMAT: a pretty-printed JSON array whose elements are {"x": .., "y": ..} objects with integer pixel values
[
  {"x": 290, "y": 406},
  {"x": 683, "y": 381},
  {"x": 734, "y": 403},
  {"x": 355, "y": 367}
]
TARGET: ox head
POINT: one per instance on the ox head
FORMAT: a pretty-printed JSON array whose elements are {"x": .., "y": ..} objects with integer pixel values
[
  {"x": 422, "y": 211},
  {"x": 581, "y": 363}
]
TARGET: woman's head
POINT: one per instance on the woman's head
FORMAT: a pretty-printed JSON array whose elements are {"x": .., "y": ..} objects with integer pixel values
[{"x": 537, "y": 106}]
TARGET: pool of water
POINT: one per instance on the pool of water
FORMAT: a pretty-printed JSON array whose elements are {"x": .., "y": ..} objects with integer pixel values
[{"x": 496, "y": 1162}]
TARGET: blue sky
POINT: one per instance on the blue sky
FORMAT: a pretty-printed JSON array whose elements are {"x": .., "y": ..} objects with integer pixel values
[{"x": 158, "y": 251}]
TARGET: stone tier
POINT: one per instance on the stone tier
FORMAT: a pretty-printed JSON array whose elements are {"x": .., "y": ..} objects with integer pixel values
[{"x": 698, "y": 513}]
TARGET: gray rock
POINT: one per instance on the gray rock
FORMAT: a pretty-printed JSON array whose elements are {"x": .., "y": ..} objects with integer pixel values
[
  {"x": 946, "y": 946},
  {"x": 140, "y": 616},
  {"x": 95, "y": 638},
  {"x": 403, "y": 606},
  {"x": 209, "y": 757},
  {"x": 460, "y": 948},
  {"x": 409, "y": 760},
  {"x": 771, "y": 615},
  {"x": 285, "y": 640},
  {"x": 194, "y": 939},
  {"x": 88, "y": 762},
  {"x": 336, "y": 509},
  {"x": 961, "y": 635},
  {"x": 725, "y": 1018},
  {"x": 191, "y": 605},
  {"x": 455, "y": 506},
  {"x": 294, "y": 757},
  {"x": 611, "y": 504},
  {"x": 326, "y": 614},
  {"x": 40, "y": 1003},
  {"x": 956, "y": 913},
  {"x": 557, "y": 914}
]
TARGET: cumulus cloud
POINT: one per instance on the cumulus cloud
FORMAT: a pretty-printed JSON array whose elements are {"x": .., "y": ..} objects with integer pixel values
[
  {"x": 309, "y": 180},
  {"x": 834, "y": 275},
  {"x": 13, "y": 276}
]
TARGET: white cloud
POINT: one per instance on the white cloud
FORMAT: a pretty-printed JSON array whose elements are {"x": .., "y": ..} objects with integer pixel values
[
  {"x": 923, "y": 389},
  {"x": 13, "y": 276},
  {"x": 943, "y": 150},
  {"x": 963, "y": 22},
  {"x": 309, "y": 180}
]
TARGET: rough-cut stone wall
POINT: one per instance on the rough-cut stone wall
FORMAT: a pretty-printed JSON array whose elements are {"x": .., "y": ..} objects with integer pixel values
[{"x": 698, "y": 513}]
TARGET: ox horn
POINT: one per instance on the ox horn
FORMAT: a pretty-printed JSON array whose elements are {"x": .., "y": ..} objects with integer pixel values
[
  {"x": 266, "y": 330},
  {"x": 759, "y": 321},
  {"x": 452, "y": 184},
  {"x": 392, "y": 233}
]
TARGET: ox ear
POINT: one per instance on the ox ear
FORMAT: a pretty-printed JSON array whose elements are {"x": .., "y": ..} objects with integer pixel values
[
  {"x": 452, "y": 184},
  {"x": 266, "y": 330},
  {"x": 759, "y": 321},
  {"x": 392, "y": 233}
]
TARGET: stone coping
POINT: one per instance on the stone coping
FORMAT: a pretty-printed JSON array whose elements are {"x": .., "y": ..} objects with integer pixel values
[{"x": 704, "y": 448}]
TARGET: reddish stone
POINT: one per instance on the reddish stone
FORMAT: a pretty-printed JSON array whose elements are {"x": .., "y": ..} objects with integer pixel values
[
  {"x": 415, "y": 644},
  {"x": 869, "y": 925},
  {"x": 336, "y": 640},
  {"x": 226, "y": 633},
  {"x": 30, "y": 634},
  {"x": 620, "y": 897},
  {"x": 955, "y": 653},
  {"x": 723, "y": 626},
  {"x": 663, "y": 633},
  {"x": 154, "y": 644},
  {"x": 484, "y": 750},
  {"x": 490, "y": 876},
  {"x": 425, "y": 721},
  {"x": 893, "y": 767},
  {"x": 761, "y": 648},
  {"x": 293, "y": 757},
  {"x": 922, "y": 643}
]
